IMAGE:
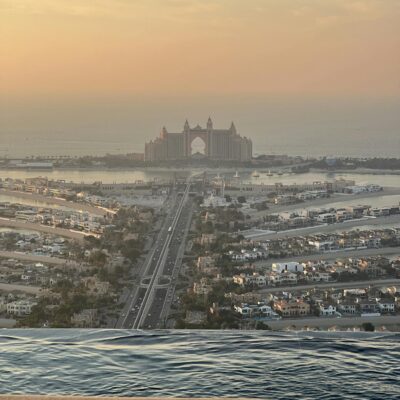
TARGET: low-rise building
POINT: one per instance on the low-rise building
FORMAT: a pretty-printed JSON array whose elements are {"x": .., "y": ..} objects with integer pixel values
[
  {"x": 95, "y": 286},
  {"x": 292, "y": 308},
  {"x": 287, "y": 267},
  {"x": 255, "y": 311},
  {"x": 367, "y": 306},
  {"x": 386, "y": 306},
  {"x": 254, "y": 279},
  {"x": 355, "y": 293},
  {"x": 249, "y": 297},
  {"x": 20, "y": 307},
  {"x": 288, "y": 278},
  {"x": 347, "y": 307},
  {"x": 326, "y": 218},
  {"x": 318, "y": 277},
  {"x": 202, "y": 288},
  {"x": 327, "y": 310},
  {"x": 208, "y": 238},
  {"x": 323, "y": 245},
  {"x": 206, "y": 263},
  {"x": 85, "y": 319}
]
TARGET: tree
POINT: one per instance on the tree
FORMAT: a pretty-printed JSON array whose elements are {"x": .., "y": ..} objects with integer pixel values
[
  {"x": 241, "y": 199},
  {"x": 199, "y": 200},
  {"x": 262, "y": 326},
  {"x": 261, "y": 206},
  {"x": 368, "y": 327},
  {"x": 131, "y": 249},
  {"x": 98, "y": 258},
  {"x": 91, "y": 241}
]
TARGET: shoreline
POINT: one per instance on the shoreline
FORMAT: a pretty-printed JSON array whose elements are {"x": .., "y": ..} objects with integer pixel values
[
  {"x": 172, "y": 168},
  {"x": 377, "y": 222},
  {"x": 360, "y": 171},
  {"x": 335, "y": 198},
  {"x": 30, "y": 226},
  {"x": 53, "y": 201}
]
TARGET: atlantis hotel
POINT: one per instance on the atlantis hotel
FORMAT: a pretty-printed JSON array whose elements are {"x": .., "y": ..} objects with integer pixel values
[{"x": 219, "y": 144}]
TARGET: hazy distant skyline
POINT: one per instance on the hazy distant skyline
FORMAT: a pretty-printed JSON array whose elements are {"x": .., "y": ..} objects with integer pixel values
[{"x": 285, "y": 68}]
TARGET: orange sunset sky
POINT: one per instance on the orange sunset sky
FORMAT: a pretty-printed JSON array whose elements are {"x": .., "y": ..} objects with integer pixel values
[
  {"x": 110, "y": 47},
  {"x": 297, "y": 76}
]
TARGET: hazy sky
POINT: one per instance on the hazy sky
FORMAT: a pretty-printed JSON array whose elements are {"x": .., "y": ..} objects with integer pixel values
[
  {"x": 66, "y": 51},
  {"x": 227, "y": 46}
]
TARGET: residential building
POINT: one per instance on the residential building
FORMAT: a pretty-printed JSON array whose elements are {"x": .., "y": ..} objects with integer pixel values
[
  {"x": 386, "y": 306},
  {"x": 292, "y": 308},
  {"x": 255, "y": 311},
  {"x": 347, "y": 307},
  {"x": 367, "y": 306},
  {"x": 206, "y": 265},
  {"x": 284, "y": 278},
  {"x": 318, "y": 277},
  {"x": 202, "y": 288},
  {"x": 250, "y": 280},
  {"x": 208, "y": 238},
  {"x": 327, "y": 310},
  {"x": 20, "y": 307},
  {"x": 287, "y": 267},
  {"x": 85, "y": 319}
]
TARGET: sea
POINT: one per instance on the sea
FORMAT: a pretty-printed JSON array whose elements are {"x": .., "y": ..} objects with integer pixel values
[
  {"x": 309, "y": 145},
  {"x": 318, "y": 126},
  {"x": 249, "y": 364}
]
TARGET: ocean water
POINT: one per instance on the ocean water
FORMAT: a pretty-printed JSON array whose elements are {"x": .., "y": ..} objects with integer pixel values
[
  {"x": 315, "y": 126},
  {"x": 256, "y": 364},
  {"x": 308, "y": 145}
]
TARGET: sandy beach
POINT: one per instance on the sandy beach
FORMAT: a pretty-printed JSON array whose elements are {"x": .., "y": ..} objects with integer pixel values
[
  {"x": 34, "y": 197},
  {"x": 10, "y": 223}
]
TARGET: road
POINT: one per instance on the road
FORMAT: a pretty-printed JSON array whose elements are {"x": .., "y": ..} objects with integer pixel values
[
  {"x": 39, "y": 259},
  {"x": 163, "y": 297},
  {"x": 150, "y": 297},
  {"x": 7, "y": 323},
  {"x": 335, "y": 285},
  {"x": 11, "y": 287}
]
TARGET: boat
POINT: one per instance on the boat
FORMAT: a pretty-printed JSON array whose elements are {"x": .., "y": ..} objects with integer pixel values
[
  {"x": 236, "y": 175},
  {"x": 255, "y": 174},
  {"x": 269, "y": 173},
  {"x": 280, "y": 172}
]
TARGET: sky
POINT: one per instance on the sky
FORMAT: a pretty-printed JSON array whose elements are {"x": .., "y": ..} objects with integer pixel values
[{"x": 75, "y": 58}]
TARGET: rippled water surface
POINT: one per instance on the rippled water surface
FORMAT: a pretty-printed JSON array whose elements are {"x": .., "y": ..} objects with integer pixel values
[
  {"x": 132, "y": 175},
  {"x": 201, "y": 363}
]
